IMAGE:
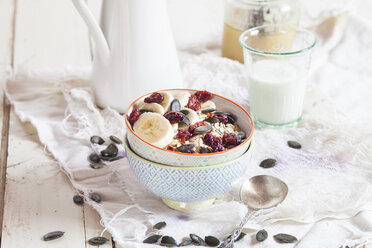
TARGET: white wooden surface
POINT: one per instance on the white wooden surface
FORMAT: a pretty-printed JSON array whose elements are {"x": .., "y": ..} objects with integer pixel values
[{"x": 38, "y": 197}]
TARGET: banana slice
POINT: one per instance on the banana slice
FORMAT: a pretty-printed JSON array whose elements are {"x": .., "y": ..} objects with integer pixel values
[
  {"x": 183, "y": 97},
  {"x": 175, "y": 127},
  {"x": 154, "y": 128},
  {"x": 208, "y": 105},
  {"x": 192, "y": 115},
  {"x": 168, "y": 98},
  {"x": 155, "y": 107}
]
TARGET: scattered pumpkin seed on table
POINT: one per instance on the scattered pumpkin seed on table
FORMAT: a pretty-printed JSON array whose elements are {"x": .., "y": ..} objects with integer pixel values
[
  {"x": 152, "y": 239},
  {"x": 97, "y": 140},
  {"x": 110, "y": 151},
  {"x": 95, "y": 197},
  {"x": 211, "y": 241},
  {"x": 96, "y": 241},
  {"x": 168, "y": 241},
  {"x": 160, "y": 225},
  {"x": 186, "y": 242},
  {"x": 285, "y": 238},
  {"x": 196, "y": 239},
  {"x": 96, "y": 165},
  {"x": 268, "y": 163},
  {"x": 294, "y": 144},
  {"x": 78, "y": 200},
  {"x": 261, "y": 235},
  {"x": 53, "y": 235},
  {"x": 94, "y": 158},
  {"x": 115, "y": 139}
]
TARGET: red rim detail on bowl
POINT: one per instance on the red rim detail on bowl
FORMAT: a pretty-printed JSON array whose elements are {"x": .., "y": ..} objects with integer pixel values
[{"x": 188, "y": 154}]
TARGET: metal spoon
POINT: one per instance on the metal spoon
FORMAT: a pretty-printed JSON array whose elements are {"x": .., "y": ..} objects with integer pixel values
[{"x": 259, "y": 192}]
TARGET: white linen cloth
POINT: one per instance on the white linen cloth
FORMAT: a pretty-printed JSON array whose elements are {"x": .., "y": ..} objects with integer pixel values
[{"x": 330, "y": 192}]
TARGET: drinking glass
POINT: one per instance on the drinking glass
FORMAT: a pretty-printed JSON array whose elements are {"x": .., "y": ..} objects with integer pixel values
[{"x": 277, "y": 59}]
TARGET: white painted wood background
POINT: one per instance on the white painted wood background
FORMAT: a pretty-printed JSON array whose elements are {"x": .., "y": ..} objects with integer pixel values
[{"x": 38, "y": 197}]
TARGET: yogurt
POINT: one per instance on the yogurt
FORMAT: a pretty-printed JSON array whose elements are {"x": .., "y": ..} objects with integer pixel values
[{"x": 276, "y": 91}]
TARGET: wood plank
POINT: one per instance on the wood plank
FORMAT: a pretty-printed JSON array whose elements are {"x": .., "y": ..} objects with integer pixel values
[
  {"x": 49, "y": 34},
  {"x": 6, "y": 49}
]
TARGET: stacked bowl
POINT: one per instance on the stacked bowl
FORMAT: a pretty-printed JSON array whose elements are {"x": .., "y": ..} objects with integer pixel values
[{"x": 188, "y": 180}]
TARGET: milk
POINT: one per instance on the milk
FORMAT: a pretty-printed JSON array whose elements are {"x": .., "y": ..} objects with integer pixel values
[{"x": 276, "y": 91}]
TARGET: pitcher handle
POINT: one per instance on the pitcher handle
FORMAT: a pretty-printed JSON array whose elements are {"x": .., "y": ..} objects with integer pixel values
[{"x": 102, "y": 47}]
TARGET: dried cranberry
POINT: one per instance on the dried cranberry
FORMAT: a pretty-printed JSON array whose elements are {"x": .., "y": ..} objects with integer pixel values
[
  {"x": 133, "y": 117},
  {"x": 174, "y": 117},
  {"x": 231, "y": 139},
  {"x": 197, "y": 124},
  {"x": 194, "y": 103},
  {"x": 218, "y": 148},
  {"x": 213, "y": 141},
  {"x": 204, "y": 95},
  {"x": 183, "y": 135},
  {"x": 170, "y": 148},
  {"x": 155, "y": 97},
  {"x": 221, "y": 117}
]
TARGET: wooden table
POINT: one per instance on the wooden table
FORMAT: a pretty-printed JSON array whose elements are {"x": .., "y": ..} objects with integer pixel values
[{"x": 37, "y": 195}]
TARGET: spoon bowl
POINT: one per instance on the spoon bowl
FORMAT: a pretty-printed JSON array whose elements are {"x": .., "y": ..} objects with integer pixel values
[{"x": 263, "y": 191}]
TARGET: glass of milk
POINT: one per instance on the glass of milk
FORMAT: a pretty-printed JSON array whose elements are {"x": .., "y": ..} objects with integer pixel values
[{"x": 277, "y": 73}]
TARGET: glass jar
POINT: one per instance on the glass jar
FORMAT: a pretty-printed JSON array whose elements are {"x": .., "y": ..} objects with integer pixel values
[{"x": 241, "y": 15}]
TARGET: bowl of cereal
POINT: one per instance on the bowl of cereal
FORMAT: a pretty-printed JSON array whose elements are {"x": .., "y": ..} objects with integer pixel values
[
  {"x": 184, "y": 127},
  {"x": 185, "y": 187}
]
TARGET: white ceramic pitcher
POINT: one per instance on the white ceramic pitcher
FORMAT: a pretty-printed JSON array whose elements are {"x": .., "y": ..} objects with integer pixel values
[{"x": 134, "y": 51}]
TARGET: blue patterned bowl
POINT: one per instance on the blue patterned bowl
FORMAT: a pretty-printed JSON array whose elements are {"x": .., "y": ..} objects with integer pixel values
[{"x": 187, "y": 187}]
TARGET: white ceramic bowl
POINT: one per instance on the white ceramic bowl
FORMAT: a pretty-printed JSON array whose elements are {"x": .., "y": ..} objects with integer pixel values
[
  {"x": 163, "y": 156},
  {"x": 188, "y": 187}
]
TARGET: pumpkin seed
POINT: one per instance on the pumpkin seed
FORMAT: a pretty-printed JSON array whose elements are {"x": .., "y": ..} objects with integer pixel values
[
  {"x": 95, "y": 197},
  {"x": 268, "y": 163},
  {"x": 186, "y": 148},
  {"x": 196, "y": 239},
  {"x": 160, "y": 225},
  {"x": 209, "y": 110},
  {"x": 242, "y": 134},
  {"x": 168, "y": 241},
  {"x": 202, "y": 129},
  {"x": 203, "y": 149},
  {"x": 94, "y": 158},
  {"x": 294, "y": 144},
  {"x": 285, "y": 238},
  {"x": 78, "y": 200},
  {"x": 212, "y": 120},
  {"x": 96, "y": 140},
  {"x": 175, "y": 105},
  {"x": 145, "y": 111},
  {"x": 261, "y": 235},
  {"x": 97, "y": 166},
  {"x": 223, "y": 113},
  {"x": 96, "y": 241},
  {"x": 230, "y": 120},
  {"x": 211, "y": 241},
  {"x": 110, "y": 151},
  {"x": 152, "y": 239},
  {"x": 186, "y": 242},
  {"x": 115, "y": 139},
  {"x": 53, "y": 235},
  {"x": 186, "y": 120},
  {"x": 185, "y": 111}
]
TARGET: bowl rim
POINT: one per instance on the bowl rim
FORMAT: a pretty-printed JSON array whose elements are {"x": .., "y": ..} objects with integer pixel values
[
  {"x": 190, "y": 154},
  {"x": 128, "y": 149}
]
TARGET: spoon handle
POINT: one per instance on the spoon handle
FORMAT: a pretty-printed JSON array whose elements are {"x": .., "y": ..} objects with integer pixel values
[{"x": 230, "y": 242}]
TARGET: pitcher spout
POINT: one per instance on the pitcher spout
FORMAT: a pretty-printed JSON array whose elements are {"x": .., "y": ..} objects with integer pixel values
[{"x": 102, "y": 48}]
